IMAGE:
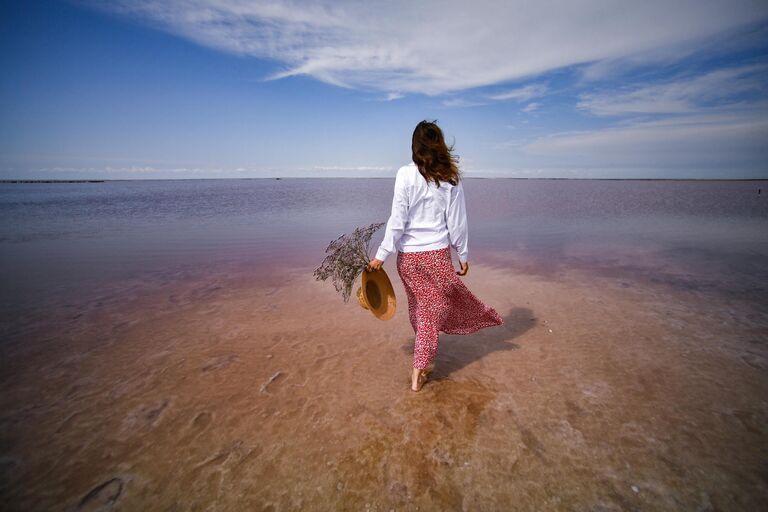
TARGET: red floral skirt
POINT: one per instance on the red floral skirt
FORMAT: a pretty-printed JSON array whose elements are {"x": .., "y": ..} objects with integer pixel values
[{"x": 438, "y": 301}]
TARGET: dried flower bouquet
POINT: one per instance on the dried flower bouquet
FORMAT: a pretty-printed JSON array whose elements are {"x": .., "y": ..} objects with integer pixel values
[{"x": 347, "y": 257}]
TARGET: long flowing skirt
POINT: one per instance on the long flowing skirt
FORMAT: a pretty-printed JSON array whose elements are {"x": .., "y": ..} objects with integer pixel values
[{"x": 438, "y": 301}]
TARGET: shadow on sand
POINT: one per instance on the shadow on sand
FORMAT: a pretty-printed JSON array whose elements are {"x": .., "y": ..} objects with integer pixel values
[{"x": 454, "y": 352}]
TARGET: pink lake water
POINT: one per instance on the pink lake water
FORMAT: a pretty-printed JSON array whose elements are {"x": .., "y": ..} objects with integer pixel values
[{"x": 58, "y": 238}]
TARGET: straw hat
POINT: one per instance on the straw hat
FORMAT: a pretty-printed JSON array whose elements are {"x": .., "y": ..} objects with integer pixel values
[{"x": 376, "y": 294}]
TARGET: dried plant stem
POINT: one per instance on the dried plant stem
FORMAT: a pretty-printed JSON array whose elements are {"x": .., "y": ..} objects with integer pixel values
[{"x": 346, "y": 258}]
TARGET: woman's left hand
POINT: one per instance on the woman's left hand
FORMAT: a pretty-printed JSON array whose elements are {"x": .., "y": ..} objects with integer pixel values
[{"x": 374, "y": 264}]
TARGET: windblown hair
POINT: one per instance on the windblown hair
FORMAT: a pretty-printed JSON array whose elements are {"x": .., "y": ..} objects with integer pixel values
[{"x": 435, "y": 159}]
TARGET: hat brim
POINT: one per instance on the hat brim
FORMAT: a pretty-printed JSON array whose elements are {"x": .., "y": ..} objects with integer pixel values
[{"x": 378, "y": 294}]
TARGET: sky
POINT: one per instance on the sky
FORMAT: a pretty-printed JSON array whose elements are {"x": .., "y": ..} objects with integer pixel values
[{"x": 176, "y": 89}]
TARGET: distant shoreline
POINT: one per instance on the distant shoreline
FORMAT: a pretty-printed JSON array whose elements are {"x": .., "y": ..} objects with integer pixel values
[
  {"x": 384, "y": 178},
  {"x": 58, "y": 181}
]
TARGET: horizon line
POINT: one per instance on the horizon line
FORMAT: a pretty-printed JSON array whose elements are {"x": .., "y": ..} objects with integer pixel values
[{"x": 99, "y": 180}]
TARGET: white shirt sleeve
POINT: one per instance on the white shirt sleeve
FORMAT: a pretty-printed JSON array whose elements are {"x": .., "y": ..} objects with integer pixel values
[
  {"x": 397, "y": 219},
  {"x": 457, "y": 222}
]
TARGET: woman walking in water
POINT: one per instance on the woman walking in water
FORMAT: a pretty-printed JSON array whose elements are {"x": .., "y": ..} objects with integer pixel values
[{"x": 428, "y": 218}]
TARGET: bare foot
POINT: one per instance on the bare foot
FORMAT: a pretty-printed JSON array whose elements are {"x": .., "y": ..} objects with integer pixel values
[{"x": 419, "y": 377}]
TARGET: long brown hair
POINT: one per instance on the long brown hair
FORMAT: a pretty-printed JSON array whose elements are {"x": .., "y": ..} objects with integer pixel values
[{"x": 435, "y": 159}]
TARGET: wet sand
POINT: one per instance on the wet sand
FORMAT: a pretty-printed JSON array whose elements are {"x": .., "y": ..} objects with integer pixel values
[{"x": 230, "y": 391}]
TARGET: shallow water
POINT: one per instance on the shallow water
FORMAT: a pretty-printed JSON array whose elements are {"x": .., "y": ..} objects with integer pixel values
[
  {"x": 60, "y": 239},
  {"x": 166, "y": 348}
]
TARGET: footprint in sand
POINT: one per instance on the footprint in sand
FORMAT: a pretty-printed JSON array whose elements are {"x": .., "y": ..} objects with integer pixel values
[
  {"x": 144, "y": 416},
  {"x": 754, "y": 360},
  {"x": 102, "y": 497},
  {"x": 218, "y": 363},
  {"x": 202, "y": 420}
]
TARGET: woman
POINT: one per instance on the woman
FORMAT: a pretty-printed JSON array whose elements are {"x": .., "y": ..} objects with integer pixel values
[{"x": 428, "y": 218}]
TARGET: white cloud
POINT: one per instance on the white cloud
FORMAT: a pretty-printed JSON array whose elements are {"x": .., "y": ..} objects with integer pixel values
[
  {"x": 729, "y": 140},
  {"x": 680, "y": 95},
  {"x": 461, "y": 102},
  {"x": 393, "y": 96},
  {"x": 531, "y": 107},
  {"x": 351, "y": 168},
  {"x": 141, "y": 170},
  {"x": 728, "y": 42},
  {"x": 152, "y": 172},
  {"x": 435, "y": 46},
  {"x": 713, "y": 120},
  {"x": 522, "y": 93}
]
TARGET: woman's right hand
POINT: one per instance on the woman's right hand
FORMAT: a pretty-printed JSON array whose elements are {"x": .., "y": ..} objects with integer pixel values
[{"x": 464, "y": 268}]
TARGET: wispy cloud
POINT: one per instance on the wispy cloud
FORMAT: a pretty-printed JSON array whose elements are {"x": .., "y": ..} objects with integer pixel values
[
  {"x": 133, "y": 170},
  {"x": 711, "y": 139},
  {"x": 716, "y": 119},
  {"x": 352, "y": 168},
  {"x": 522, "y": 93},
  {"x": 384, "y": 46},
  {"x": 163, "y": 172},
  {"x": 679, "y": 95},
  {"x": 461, "y": 102},
  {"x": 393, "y": 96},
  {"x": 531, "y": 107}
]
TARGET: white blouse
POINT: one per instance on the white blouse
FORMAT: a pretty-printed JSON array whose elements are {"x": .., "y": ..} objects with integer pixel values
[{"x": 424, "y": 217}]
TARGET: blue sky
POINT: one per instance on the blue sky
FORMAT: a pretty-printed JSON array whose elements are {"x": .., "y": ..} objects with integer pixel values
[{"x": 205, "y": 89}]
